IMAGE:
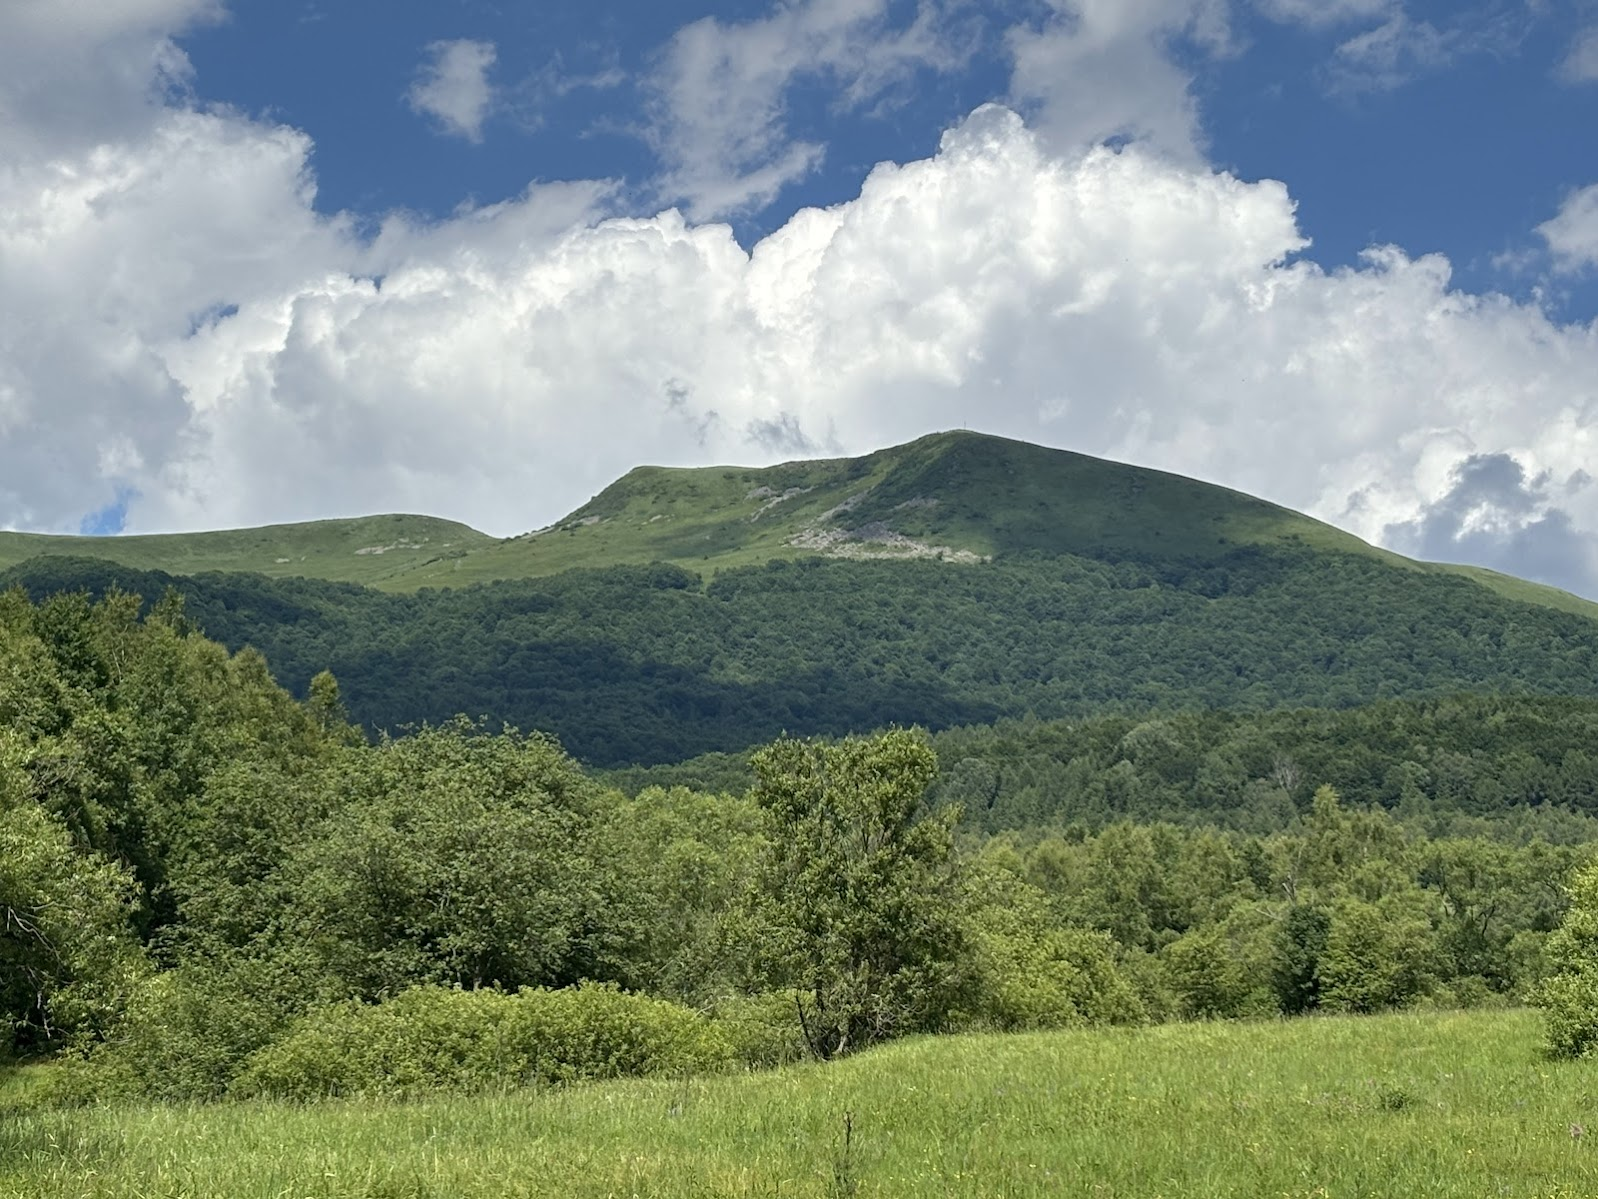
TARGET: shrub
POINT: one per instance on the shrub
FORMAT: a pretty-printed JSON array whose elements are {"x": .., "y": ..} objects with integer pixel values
[
  {"x": 1569, "y": 993},
  {"x": 762, "y": 1030},
  {"x": 68, "y": 960},
  {"x": 183, "y": 1037},
  {"x": 1467, "y": 992},
  {"x": 1376, "y": 956},
  {"x": 1024, "y": 971},
  {"x": 1205, "y": 974},
  {"x": 500, "y": 825},
  {"x": 431, "y": 1039},
  {"x": 1570, "y": 1012}
]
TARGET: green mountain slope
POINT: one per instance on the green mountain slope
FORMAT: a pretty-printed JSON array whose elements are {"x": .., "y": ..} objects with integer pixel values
[
  {"x": 961, "y": 498},
  {"x": 372, "y": 550},
  {"x": 957, "y": 580},
  {"x": 646, "y": 664}
]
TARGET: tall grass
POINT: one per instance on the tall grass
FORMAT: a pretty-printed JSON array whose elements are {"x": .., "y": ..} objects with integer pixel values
[{"x": 1407, "y": 1105}]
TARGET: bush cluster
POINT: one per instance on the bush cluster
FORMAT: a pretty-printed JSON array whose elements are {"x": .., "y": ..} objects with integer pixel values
[
  {"x": 1569, "y": 995},
  {"x": 435, "y": 1039}
]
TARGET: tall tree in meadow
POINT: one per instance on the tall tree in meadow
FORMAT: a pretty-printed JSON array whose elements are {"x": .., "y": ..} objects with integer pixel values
[{"x": 861, "y": 891}]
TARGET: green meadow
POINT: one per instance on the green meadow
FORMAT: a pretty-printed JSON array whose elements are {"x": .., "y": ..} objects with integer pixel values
[{"x": 1413, "y": 1104}]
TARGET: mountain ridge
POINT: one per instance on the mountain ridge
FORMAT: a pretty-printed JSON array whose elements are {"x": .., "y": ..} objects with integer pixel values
[{"x": 959, "y": 497}]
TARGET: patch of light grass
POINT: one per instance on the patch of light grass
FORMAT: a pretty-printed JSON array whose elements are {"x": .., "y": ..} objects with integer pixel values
[{"x": 1406, "y": 1105}]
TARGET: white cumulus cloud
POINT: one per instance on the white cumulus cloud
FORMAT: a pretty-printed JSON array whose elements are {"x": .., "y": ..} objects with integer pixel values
[
  {"x": 1094, "y": 70},
  {"x": 452, "y": 86},
  {"x": 720, "y": 90},
  {"x": 1572, "y": 235},
  {"x": 185, "y": 332},
  {"x": 1496, "y": 516},
  {"x": 74, "y": 74}
]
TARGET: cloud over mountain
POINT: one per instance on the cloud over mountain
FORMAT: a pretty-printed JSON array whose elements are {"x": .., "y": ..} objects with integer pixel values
[
  {"x": 1495, "y": 515},
  {"x": 190, "y": 333}
]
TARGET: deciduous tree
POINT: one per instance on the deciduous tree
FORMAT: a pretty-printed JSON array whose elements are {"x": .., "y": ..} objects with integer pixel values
[{"x": 861, "y": 887}]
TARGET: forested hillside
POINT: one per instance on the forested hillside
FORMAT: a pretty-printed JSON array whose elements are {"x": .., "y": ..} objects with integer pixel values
[
  {"x": 212, "y": 889},
  {"x": 1034, "y": 762},
  {"x": 647, "y": 665},
  {"x": 1515, "y": 767}
]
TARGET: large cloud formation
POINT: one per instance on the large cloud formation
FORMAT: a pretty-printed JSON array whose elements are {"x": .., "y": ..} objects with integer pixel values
[{"x": 184, "y": 331}]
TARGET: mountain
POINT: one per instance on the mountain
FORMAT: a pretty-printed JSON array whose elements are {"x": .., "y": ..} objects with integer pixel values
[
  {"x": 958, "y": 580},
  {"x": 371, "y": 550},
  {"x": 959, "y": 497}
]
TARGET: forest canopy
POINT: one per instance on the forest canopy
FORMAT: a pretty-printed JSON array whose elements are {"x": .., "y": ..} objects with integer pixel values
[
  {"x": 649, "y": 664},
  {"x": 211, "y": 888}
]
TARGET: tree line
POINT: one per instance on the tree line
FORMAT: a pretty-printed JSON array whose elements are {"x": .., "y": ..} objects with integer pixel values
[
  {"x": 210, "y": 887},
  {"x": 1506, "y": 766}
]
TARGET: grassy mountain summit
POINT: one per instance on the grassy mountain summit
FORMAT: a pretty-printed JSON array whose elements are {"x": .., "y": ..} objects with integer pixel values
[
  {"x": 963, "y": 497},
  {"x": 959, "y": 497},
  {"x": 371, "y": 549}
]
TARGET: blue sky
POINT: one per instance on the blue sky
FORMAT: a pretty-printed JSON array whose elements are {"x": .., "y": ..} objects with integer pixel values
[
  {"x": 274, "y": 261},
  {"x": 1460, "y": 143}
]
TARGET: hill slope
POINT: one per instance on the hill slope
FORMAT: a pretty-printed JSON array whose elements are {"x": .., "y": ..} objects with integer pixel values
[
  {"x": 957, "y": 580},
  {"x": 645, "y": 664},
  {"x": 372, "y": 550},
  {"x": 958, "y": 497}
]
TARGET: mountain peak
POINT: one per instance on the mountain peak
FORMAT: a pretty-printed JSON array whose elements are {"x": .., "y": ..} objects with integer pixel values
[{"x": 960, "y": 497}]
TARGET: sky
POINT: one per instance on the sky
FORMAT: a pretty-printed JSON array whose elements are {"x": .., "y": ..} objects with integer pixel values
[{"x": 287, "y": 260}]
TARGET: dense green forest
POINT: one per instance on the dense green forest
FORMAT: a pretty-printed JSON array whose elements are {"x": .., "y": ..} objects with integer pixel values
[
  {"x": 647, "y": 665},
  {"x": 1512, "y": 767},
  {"x": 211, "y": 888}
]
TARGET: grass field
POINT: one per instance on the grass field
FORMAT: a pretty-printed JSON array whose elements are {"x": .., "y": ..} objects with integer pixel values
[{"x": 1414, "y": 1105}]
